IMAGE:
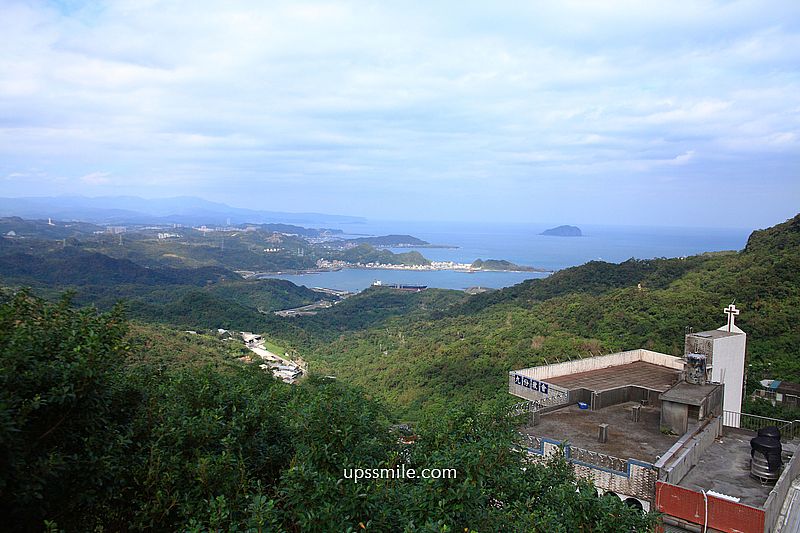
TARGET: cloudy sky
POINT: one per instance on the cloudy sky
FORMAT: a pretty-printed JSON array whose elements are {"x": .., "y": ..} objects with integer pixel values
[{"x": 657, "y": 113}]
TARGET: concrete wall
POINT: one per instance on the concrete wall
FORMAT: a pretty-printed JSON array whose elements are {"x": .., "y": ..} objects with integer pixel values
[
  {"x": 686, "y": 453},
  {"x": 543, "y": 373},
  {"x": 728, "y": 368},
  {"x": 703, "y": 345},
  {"x": 580, "y": 395},
  {"x": 629, "y": 393},
  {"x": 776, "y": 498},
  {"x": 674, "y": 416},
  {"x": 530, "y": 394}
]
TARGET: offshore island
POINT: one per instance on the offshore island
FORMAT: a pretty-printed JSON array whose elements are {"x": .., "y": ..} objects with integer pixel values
[{"x": 563, "y": 231}]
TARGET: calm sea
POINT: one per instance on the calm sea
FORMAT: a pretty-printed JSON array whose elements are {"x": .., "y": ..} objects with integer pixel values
[{"x": 521, "y": 244}]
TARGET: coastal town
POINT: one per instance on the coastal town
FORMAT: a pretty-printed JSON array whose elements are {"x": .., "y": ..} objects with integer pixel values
[{"x": 326, "y": 264}]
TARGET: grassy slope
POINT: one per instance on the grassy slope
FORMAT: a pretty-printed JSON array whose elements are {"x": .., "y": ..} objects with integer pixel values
[{"x": 166, "y": 348}]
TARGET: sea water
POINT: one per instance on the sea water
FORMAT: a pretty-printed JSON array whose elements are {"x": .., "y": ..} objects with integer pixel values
[{"x": 521, "y": 244}]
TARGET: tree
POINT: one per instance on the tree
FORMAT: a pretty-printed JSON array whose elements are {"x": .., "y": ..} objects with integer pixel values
[{"x": 63, "y": 428}]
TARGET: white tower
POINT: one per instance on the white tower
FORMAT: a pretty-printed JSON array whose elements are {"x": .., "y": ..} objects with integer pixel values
[{"x": 724, "y": 349}]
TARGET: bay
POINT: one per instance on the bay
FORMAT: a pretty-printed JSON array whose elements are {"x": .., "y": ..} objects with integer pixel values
[{"x": 521, "y": 244}]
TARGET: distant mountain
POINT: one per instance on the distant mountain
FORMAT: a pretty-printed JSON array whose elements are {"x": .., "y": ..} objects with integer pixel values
[
  {"x": 187, "y": 210},
  {"x": 563, "y": 231}
]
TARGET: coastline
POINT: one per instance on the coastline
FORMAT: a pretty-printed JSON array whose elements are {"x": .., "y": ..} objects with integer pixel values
[{"x": 464, "y": 268}]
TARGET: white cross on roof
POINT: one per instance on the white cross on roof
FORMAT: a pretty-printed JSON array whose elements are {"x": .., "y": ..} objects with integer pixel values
[{"x": 732, "y": 313}]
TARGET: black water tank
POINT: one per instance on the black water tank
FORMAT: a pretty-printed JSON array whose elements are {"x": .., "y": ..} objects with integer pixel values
[
  {"x": 770, "y": 448},
  {"x": 770, "y": 431}
]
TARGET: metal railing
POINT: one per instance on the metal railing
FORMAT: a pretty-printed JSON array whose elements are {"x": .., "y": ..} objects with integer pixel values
[
  {"x": 532, "y": 406},
  {"x": 790, "y": 429}
]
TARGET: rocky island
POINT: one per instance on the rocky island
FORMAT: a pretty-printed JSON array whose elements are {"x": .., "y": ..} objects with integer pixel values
[{"x": 563, "y": 231}]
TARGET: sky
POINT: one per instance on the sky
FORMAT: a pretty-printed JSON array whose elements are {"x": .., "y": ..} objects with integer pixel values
[{"x": 680, "y": 113}]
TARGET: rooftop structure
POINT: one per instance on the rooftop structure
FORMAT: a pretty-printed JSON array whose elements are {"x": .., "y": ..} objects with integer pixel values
[
  {"x": 656, "y": 430},
  {"x": 641, "y": 440},
  {"x": 724, "y": 349}
]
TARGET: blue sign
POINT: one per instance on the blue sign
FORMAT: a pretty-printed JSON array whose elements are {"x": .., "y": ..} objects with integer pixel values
[{"x": 528, "y": 383}]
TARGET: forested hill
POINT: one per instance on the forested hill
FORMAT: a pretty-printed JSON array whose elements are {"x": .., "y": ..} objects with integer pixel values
[
  {"x": 463, "y": 352},
  {"x": 72, "y": 266},
  {"x": 111, "y": 427},
  {"x": 443, "y": 346}
]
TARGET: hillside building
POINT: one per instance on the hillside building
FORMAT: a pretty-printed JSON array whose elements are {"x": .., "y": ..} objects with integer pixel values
[
  {"x": 667, "y": 433},
  {"x": 779, "y": 392}
]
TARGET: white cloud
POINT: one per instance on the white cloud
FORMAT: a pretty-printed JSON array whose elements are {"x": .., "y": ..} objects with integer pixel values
[{"x": 176, "y": 96}]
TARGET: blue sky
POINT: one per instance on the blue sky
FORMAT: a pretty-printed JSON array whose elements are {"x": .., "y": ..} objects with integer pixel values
[{"x": 614, "y": 112}]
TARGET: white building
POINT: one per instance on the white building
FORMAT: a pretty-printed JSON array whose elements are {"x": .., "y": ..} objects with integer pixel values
[{"x": 724, "y": 349}]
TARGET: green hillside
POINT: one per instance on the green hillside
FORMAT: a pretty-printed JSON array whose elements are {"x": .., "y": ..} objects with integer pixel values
[
  {"x": 461, "y": 351},
  {"x": 108, "y": 426},
  {"x": 435, "y": 347}
]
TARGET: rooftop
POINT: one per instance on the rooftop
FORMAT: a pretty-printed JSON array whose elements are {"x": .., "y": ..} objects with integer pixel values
[
  {"x": 640, "y": 440},
  {"x": 688, "y": 393},
  {"x": 725, "y": 468},
  {"x": 714, "y": 334},
  {"x": 639, "y": 373}
]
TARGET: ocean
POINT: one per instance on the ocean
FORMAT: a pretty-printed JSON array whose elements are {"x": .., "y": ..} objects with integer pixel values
[{"x": 521, "y": 244}]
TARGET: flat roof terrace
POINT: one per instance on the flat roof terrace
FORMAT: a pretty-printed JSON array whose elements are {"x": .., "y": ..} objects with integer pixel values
[
  {"x": 627, "y": 439},
  {"x": 725, "y": 468},
  {"x": 639, "y": 374}
]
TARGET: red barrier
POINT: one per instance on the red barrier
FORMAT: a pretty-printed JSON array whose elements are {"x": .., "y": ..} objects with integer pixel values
[{"x": 723, "y": 515}]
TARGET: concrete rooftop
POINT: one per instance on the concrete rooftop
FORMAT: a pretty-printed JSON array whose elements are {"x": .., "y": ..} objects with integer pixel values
[
  {"x": 640, "y": 440},
  {"x": 690, "y": 394},
  {"x": 714, "y": 334},
  {"x": 725, "y": 468},
  {"x": 641, "y": 374}
]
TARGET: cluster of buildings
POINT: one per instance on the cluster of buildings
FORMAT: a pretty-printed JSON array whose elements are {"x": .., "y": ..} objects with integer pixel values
[
  {"x": 284, "y": 369},
  {"x": 668, "y": 434},
  {"x": 335, "y": 264}
]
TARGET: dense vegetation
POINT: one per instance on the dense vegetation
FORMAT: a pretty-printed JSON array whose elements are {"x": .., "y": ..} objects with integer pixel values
[
  {"x": 102, "y": 429},
  {"x": 500, "y": 264},
  {"x": 261, "y": 248},
  {"x": 460, "y": 350},
  {"x": 438, "y": 347},
  {"x": 366, "y": 253},
  {"x": 111, "y": 425}
]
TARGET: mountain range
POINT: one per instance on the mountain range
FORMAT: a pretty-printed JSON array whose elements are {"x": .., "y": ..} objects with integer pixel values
[{"x": 187, "y": 210}]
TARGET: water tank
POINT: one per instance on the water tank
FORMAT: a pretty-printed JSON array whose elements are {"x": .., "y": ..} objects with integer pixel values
[
  {"x": 765, "y": 458},
  {"x": 696, "y": 368},
  {"x": 771, "y": 432}
]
